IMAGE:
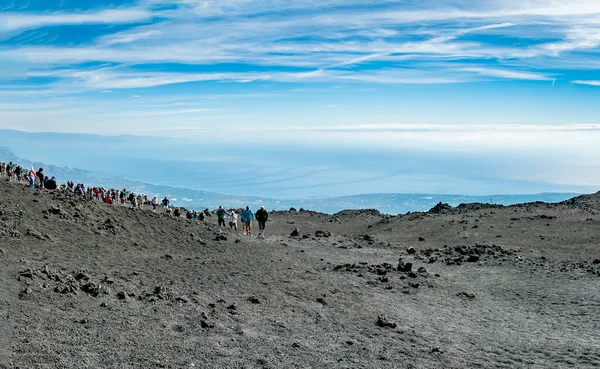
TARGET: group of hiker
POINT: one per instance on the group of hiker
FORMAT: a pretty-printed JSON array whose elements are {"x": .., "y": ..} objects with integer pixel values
[
  {"x": 34, "y": 178},
  {"x": 246, "y": 217},
  {"x": 38, "y": 179}
]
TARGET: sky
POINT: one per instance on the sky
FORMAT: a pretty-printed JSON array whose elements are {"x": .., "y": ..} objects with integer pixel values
[{"x": 495, "y": 78}]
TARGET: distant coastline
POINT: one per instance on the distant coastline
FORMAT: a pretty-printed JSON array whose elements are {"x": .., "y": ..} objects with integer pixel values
[{"x": 387, "y": 203}]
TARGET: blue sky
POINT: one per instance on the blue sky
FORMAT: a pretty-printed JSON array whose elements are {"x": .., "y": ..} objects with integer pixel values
[
  {"x": 177, "y": 67},
  {"x": 483, "y": 77}
]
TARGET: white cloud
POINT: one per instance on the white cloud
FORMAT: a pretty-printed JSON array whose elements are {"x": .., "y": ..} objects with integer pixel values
[
  {"x": 15, "y": 21},
  {"x": 508, "y": 74},
  {"x": 589, "y": 83}
]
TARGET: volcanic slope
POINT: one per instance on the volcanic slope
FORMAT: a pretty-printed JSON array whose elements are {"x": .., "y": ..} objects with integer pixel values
[{"x": 90, "y": 285}]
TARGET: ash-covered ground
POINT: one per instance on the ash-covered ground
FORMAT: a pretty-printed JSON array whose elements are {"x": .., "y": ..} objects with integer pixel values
[{"x": 90, "y": 285}]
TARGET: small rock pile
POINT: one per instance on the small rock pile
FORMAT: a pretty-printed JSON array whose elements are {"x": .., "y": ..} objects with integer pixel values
[
  {"x": 402, "y": 270},
  {"x": 456, "y": 255},
  {"x": 64, "y": 283}
]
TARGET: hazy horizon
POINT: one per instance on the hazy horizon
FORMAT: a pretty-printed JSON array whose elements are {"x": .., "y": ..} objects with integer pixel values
[{"x": 273, "y": 171}]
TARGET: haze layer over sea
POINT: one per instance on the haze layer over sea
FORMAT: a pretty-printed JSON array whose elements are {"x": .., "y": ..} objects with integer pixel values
[{"x": 200, "y": 174}]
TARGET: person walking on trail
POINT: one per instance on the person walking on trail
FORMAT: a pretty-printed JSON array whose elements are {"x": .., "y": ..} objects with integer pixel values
[
  {"x": 154, "y": 203},
  {"x": 165, "y": 203},
  {"x": 233, "y": 220},
  {"x": 221, "y": 213},
  {"x": 247, "y": 217},
  {"x": 262, "y": 216}
]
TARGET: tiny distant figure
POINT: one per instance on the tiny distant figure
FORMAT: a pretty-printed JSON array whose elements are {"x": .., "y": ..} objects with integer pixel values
[
  {"x": 221, "y": 213},
  {"x": 176, "y": 213},
  {"x": 141, "y": 200},
  {"x": 51, "y": 184},
  {"x": 133, "y": 200},
  {"x": 261, "y": 217},
  {"x": 247, "y": 217},
  {"x": 233, "y": 220},
  {"x": 40, "y": 177},
  {"x": 165, "y": 203},
  {"x": 31, "y": 178},
  {"x": 154, "y": 203},
  {"x": 201, "y": 216}
]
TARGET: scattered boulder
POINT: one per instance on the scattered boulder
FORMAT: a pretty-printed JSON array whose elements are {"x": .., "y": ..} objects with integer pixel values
[
  {"x": 383, "y": 322},
  {"x": 295, "y": 233},
  {"x": 404, "y": 267},
  {"x": 367, "y": 238},
  {"x": 467, "y": 295},
  {"x": 440, "y": 208},
  {"x": 204, "y": 324},
  {"x": 253, "y": 300},
  {"x": 473, "y": 258},
  {"x": 91, "y": 288},
  {"x": 321, "y": 233}
]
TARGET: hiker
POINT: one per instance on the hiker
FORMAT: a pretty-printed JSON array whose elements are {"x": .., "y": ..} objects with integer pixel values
[
  {"x": 165, "y": 203},
  {"x": 141, "y": 200},
  {"x": 50, "y": 184},
  {"x": 133, "y": 200},
  {"x": 261, "y": 216},
  {"x": 40, "y": 176},
  {"x": 31, "y": 178},
  {"x": 233, "y": 220},
  {"x": 154, "y": 203},
  {"x": 247, "y": 218},
  {"x": 221, "y": 213}
]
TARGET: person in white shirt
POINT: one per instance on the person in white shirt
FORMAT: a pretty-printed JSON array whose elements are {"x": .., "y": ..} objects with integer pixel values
[{"x": 233, "y": 220}]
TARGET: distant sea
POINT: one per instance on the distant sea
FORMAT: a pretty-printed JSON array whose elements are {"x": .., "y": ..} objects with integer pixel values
[{"x": 389, "y": 203}]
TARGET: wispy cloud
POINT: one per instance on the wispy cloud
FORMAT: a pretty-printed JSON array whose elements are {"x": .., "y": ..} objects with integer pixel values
[
  {"x": 163, "y": 45},
  {"x": 589, "y": 83},
  {"x": 508, "y": 74},
  {"x": 14, "y": 21}
]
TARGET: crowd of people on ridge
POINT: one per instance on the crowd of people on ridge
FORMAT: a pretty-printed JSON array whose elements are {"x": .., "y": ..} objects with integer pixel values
[{"x": 39, "y": 179}]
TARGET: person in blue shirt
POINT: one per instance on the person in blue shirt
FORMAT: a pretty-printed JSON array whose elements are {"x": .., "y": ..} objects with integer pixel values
[{"x": 247, "y": 217}]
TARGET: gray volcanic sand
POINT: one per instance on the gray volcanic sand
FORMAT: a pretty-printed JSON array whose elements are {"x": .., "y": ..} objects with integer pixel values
[{"x": 89, "y": 285}]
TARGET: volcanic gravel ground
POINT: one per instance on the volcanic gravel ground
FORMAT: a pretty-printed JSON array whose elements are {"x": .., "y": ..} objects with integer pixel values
[{"x": 90, "y": 285}]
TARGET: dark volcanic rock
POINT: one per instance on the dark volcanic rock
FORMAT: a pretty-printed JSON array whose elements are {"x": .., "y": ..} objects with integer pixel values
[
  {"x": 295, "y": 233},
  {"x": 321, "y": 233},
  {"x": 467, "y": 295},
  {"x": 473, "y": 258},
  {"x": 404, "y": 267},
  {"x": 253, "y": 300},
  {"x": 440, "y": 208},
  {"x": 383, "y": 322}
]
